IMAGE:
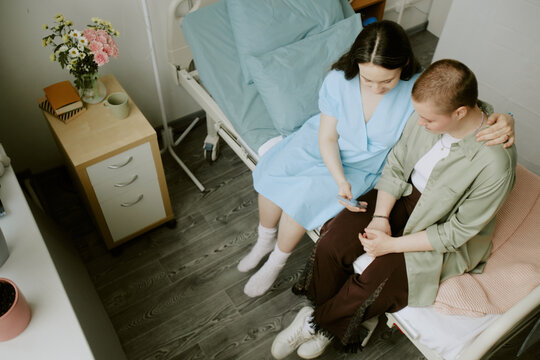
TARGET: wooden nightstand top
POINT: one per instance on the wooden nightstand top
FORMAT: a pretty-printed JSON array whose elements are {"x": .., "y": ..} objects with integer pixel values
[{"x": 96, "y": 133}]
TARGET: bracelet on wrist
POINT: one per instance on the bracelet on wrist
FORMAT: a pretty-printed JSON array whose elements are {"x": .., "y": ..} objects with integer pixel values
[{"x": 381, "y": 216}]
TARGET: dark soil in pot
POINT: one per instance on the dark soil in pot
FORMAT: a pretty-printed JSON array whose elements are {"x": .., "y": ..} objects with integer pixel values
[{"x": 7, "y": 297}]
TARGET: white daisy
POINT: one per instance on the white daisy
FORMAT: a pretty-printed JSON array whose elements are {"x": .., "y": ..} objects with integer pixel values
[
  {"x": 75, "y": 34},
  {"x": 83, "y": 41},
  {"x": 73, "y": 52},
  {"x": 82, "y": 55},
  {"x": 63, "y": 48},
  {"x": 69, "y": 67}
]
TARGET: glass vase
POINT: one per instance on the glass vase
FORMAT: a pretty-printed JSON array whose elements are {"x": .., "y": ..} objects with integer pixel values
[{"x": 91, "y": 88}]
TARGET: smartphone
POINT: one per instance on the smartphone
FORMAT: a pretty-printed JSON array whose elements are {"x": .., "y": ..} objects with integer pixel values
[{"x": 352, "y": 202}]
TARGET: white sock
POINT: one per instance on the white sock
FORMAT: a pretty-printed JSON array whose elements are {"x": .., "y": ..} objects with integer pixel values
[
  {"x": 265, "y": 243},
  {"x": 261, "y": 281}
]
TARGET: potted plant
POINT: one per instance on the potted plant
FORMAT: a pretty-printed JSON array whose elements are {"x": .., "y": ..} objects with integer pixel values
[{"x": 14, "y": 310}]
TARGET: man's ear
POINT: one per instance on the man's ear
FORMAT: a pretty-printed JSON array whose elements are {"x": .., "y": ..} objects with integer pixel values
[{"x": 461, "y": 112}]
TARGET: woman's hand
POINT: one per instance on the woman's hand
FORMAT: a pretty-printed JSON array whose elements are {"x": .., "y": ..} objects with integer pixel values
[
  {"x": 501, "y": 131},
  {"x": 376, "y": 243},
  {"x": 344, "y": 190}
]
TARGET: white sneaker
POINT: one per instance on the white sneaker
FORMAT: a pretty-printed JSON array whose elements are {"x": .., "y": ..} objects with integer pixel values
[
  {"x": 315, "y": 347},
  {"x": 293, "y": 336}
]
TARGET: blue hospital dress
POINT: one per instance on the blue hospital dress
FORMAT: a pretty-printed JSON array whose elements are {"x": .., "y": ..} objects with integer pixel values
[{"x": 292, "y": 174}]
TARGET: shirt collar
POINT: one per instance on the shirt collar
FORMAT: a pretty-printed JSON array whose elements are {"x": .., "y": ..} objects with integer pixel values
[{"x": 469, "y": 146}]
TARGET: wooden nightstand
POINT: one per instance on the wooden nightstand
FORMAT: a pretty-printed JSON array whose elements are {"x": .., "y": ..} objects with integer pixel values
[{"x": 117, "y": 166}]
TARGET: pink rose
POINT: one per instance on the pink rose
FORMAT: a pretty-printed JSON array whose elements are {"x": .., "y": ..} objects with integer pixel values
[
  {"x": 95, "y": 46},
  {"x": 107, "y": 49},
  {"x": 89, "y": 34},
  {"x": 101, "y": 32},
  {"x": 102, "y": 39},
  {"x": 114, "y": 50},
  {"x": 101, "y": 58}
]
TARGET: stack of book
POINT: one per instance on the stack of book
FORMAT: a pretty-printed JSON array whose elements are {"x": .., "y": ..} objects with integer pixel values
[{"x": 63, "y": 101}]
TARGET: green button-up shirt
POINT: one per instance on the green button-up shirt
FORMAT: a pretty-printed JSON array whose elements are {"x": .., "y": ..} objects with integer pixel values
[{"x": 457, "y": 208}]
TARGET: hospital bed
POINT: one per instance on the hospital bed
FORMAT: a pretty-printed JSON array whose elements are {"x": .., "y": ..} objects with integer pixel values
[{"x": 238, "y": 110}]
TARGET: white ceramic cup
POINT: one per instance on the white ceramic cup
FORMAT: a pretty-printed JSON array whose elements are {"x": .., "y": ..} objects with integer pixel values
[{"x": 118, "y": 103}]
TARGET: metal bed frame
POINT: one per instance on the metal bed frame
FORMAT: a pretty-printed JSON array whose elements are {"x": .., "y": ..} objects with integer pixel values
[{"x": 503, "y": 330}]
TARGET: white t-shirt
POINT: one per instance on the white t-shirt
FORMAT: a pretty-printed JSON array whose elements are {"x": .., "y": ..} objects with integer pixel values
[{"x": 423, "y": 168}]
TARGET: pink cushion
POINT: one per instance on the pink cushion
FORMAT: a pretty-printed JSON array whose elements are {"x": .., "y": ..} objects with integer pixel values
[
  {"x": 518, "y": 206},
  {"x": 513, "y": 269}
]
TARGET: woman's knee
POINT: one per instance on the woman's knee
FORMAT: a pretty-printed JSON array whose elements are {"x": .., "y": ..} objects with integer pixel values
[{"x": 341, "y": 249}]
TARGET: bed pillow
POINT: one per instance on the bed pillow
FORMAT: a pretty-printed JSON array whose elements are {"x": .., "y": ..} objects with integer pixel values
[
  {"x": 263, "y": 25},
  {"x": 289, "y": 78}
]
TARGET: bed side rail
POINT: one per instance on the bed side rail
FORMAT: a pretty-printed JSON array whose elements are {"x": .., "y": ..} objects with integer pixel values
[
  {"x": 221, "y": 124},
  {"x": 178, "y": 51},
  {"x": 503, "y": 327},
  {"x": 393, "y": 319}
]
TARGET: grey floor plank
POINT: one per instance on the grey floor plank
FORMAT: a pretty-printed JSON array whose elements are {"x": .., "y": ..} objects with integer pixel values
[
  {"x": 184, "y": 330},
  {"x": 193, "y": 353},
  {"x": 253, "y": 328},
  {"x": 231, "y": 203},
  {"x": 210, "y": 250},
  {"x": 185, "y": 293},
  {"x": 137, "y": 285},
  {"x": 189, "y": 230},
  {"x": 123, "y": 260}
]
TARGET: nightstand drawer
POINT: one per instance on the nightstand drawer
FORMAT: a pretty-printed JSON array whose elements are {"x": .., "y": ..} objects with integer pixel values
[
  {"x": 133, "y": 210},
  {"x": 119, "y": 167},
  {"x": 124, "y": 182}
]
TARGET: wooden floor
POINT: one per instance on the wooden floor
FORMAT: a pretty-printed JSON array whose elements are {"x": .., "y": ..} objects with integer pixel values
[{"x": 176, "y": 293}]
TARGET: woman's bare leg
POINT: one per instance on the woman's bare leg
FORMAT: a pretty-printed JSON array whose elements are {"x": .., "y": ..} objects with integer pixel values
[
  {"x": 269, "y": 214},
  {"x": 290, "y": 234}
]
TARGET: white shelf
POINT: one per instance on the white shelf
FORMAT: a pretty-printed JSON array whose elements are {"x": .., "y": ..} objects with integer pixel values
[{"x": 54, "y": 331}]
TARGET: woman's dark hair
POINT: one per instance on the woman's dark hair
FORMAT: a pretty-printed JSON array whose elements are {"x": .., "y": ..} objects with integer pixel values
[
  {"x": 382, "y": 43},
  {"x": 449, "y": 84}
]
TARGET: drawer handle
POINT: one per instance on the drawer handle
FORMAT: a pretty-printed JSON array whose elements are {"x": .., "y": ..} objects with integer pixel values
[
  {"x": 118, "y": 166},
  {"x": 128, "y": 182},
  {"x": 128, "y": 204}
]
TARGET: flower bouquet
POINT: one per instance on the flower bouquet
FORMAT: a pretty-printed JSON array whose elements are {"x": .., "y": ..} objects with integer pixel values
[{"x": 83, "y": 52}]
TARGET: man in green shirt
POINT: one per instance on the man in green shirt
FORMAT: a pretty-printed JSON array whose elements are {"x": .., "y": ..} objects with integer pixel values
[{"x": 431, "y": 216}]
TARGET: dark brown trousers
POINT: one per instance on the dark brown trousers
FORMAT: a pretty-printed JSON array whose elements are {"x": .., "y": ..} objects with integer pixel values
[{"x": 342, "y": 298}]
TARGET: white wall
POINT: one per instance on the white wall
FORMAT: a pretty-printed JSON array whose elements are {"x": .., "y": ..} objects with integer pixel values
[
  {"x": 498, "y": 40},
  {"x": 415, "y": 12},
  {"x": 437, "y": 16},
  {"x": 26, "y": 69}
]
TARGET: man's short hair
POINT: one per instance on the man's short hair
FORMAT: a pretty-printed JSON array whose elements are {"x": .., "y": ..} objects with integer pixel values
[{"x": 448, "y": 83}]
